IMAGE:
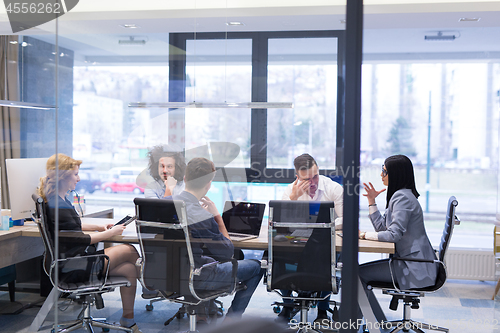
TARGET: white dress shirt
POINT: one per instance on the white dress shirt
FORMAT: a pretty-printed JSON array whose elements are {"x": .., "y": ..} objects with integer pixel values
[{"x": 328, "y": 190}]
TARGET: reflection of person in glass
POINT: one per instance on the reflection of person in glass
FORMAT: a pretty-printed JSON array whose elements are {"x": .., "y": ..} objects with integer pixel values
[
  {"x": 403, "y": 225},
  {"x": 74, "y": 242},
  {"x": 166, "y": 166},
  {"x": 205, "y": 222},
  {"x": 309, "y": 185}
]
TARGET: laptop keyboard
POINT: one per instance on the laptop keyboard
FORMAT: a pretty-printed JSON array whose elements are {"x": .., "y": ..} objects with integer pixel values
[{"x": 302, "y": 233}]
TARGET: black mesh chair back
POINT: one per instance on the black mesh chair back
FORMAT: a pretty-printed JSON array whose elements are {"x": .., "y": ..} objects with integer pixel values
[
  {"x": 411, "y": 298},
  {"x": 82, "y": 276},
  {"x": 170, "y": 256},
  {"x": 302, "y": 263}
]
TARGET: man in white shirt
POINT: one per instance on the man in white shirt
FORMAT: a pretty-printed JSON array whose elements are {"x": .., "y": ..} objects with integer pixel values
[{"x": 311, "y": 186}]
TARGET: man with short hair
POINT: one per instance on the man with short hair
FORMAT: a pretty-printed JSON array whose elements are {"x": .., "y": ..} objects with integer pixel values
[
  {"x": 311, "y": 186},
  {"x": 205, "y": 222},
  {"x": 166, "y": 166}
]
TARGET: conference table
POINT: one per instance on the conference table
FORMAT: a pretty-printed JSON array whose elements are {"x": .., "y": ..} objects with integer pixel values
[
  {"x": 259, "y": 243},
  {"x": 17, "y": 244}
]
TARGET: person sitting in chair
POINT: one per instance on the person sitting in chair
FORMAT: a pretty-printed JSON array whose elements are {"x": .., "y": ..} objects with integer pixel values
[
  {"x": 72, "y": 240},
  {"x": 403, "y": 225},
  {"x": 309, "y": 185},
  {"x": 166, "y": 166},
  {"x": 205, "y": 222}
]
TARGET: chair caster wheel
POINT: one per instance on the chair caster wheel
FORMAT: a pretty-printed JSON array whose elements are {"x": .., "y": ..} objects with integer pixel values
[
  {"x": 104, "y": 329},
  {"x": 276, "y": 309},
  {"x": 149, "y": 307},
  {"x": 52, "y": 331}
]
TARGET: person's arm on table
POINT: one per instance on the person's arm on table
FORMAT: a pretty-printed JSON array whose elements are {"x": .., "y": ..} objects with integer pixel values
[{"x": 335, "y": 193}]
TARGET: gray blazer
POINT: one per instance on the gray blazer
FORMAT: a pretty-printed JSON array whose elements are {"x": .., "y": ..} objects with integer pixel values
[{"x": 403, "y": 225}]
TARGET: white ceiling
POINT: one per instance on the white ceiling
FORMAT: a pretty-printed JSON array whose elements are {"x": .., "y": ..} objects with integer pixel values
[{"x": 392, "y": 28}]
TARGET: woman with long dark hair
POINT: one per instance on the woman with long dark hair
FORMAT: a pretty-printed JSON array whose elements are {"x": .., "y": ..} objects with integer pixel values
[{"x": 403, "y": 225}]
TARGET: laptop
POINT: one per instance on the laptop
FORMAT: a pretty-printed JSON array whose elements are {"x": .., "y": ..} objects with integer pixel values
[{"x": 243, "y": 220}]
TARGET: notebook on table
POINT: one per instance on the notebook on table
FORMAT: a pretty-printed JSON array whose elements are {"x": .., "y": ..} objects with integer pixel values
[{"x": 243, "y": 220}]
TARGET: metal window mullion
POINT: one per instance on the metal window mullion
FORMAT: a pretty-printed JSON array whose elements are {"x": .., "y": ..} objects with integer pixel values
[{"x": 258, "y": 129}]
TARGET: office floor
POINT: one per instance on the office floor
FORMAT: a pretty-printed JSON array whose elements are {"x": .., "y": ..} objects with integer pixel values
[{"x": 462, "y": 306}]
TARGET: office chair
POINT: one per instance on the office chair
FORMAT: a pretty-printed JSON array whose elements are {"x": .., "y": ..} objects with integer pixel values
[
  {"x": 306, "y": 266},
  {"x": 167, "y": 262},
  {"x": 82, "y": 277},
  {"x": 411, "y": 298}
]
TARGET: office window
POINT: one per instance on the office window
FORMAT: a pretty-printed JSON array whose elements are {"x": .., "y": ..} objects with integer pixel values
[
  {"x": 298, "y": 67},
  {"x": 219, "y": 71},
  {"x": 303, "y": 71}
]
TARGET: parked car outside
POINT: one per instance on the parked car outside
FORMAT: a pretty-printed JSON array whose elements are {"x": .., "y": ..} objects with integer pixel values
[
  {"x": 89, "y": 182},
  {"x": 122, "y": 184}
]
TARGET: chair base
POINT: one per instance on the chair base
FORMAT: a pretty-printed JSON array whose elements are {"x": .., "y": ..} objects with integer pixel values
[
  {"x": 88, "y": 324},
  {"x": 86, "y": 321},
  {"x": 415, "y": 326},
  {"x": 304, "y": 326}
]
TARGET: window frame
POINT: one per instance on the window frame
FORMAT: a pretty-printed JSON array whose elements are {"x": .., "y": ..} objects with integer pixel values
[{"x": 258, "y": 171}]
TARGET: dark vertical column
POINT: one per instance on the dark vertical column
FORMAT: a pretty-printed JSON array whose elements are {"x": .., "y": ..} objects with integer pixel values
[
  {"x": 354, "y": 40},
  {"x": 177, "y": 87},
  {"x": 258, "y": 151},
  {"x": 177, "y": 68},
  {"x": 340, "y": 102}
]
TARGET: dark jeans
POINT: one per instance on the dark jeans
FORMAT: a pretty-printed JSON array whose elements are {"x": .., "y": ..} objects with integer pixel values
[{"x": 249, "y": 273}]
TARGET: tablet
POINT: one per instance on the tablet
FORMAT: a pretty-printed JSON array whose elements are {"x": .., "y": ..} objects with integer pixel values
[{"x": 126, "y": 220}]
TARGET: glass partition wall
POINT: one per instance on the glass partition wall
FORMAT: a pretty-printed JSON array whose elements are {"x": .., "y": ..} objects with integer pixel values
[{"x": 430, "y": 91}]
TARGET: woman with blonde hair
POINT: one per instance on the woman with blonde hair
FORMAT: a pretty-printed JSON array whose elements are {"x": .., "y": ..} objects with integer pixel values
[{"x": 54, "y": 188}]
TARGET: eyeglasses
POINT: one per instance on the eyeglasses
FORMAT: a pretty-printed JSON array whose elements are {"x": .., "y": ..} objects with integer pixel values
[{"x": 384, "y": 171}]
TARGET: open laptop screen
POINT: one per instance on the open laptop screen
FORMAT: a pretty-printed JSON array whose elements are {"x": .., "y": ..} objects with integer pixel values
[{"x": 243, "y": 217}]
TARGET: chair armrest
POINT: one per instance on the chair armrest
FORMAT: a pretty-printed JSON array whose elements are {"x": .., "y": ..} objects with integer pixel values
[
  {"x": 416, "y": 260},
  {"x": 234, "y": 280},
  {"x": 86, "y": 268}
]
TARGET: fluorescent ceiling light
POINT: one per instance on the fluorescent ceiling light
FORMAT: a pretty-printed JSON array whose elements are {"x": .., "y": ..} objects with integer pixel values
[
  {"x": 26, "y": 105},
  {"x": 200, "y": 105},
  {"x": 129, "y": 26},
  {"x": 469, "y": 19},
  {"x": 132, "y": 41},
  {"x": 440, "y": 37},
  {"x": 234, "y": 23}
]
